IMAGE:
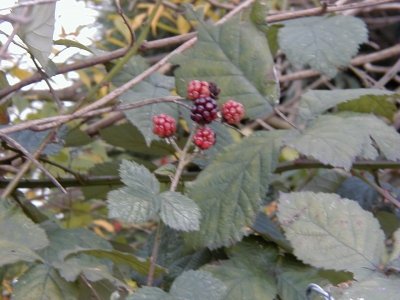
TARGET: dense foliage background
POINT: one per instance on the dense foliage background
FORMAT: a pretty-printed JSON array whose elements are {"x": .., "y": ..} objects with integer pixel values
[{"x": 304, "y": 190}]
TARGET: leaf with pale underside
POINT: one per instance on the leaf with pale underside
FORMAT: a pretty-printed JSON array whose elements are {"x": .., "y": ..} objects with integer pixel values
[
  {"x": 324, "y": 43},
  {"x": 338, "y": 140},
  {"x": 229, "y": 190},
  {"x": 37, "y": 34},
  {"x": 179, "y": 212},
  {"x": 327, "y": 140},
  {"x": 236, "y": 56},
  {"x": 316, "y": 102},
  {"x": 135, "y": 202},
  {"x": 330, "y": 232},
  {"x": 153, "y": 86},
  {"x": 20, "y": 237},
  {"x": 375, "y": 288}
]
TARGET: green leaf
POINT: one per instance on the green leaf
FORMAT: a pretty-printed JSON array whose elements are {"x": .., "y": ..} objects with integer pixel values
[
  {"x": 327, "y": 181},
  {"x": 197, "y": 285},
  {"x": 71, "y": 43},
  {"x": 13, "y": 252},
  {"x": 179, "y": 212},
  {"x": 246, "y": 274},
  {"x": 327, "y": 140},
  {"x": 330, "y": 232},
  {"x": 375, "y": 288},
  {"x": 265, "y": 227},
  {"x": 37, "y": 34},
  {"x": 386, "y": 137},
  {"x": 136, "y": 202},
  {"x": 138, "y": 177},
  {"x": 128, "y": 137},
  {"x": 129, "y": 205},
  {"x": 136, "y": 263},
  {"x": 293, "y": 279},
  {"x": 234, "y": 55},
  {"x": 230, "y": 189},
  {"x": 380, "y": 105},
  {"x": 154, "y": 86},
  {"x": 358, "y": 190},
  {"x": 150, "y": 293},
  {"x": 190, "y": 285},
  {"x": 316, "y": 102},
  {"x": 72, "y": 268},
  {"x": 64, "y": 240},
  {"x": 43, "y": 282},
  {"x": 19, "y": 235},
  {"x": 324, "y": 43}
]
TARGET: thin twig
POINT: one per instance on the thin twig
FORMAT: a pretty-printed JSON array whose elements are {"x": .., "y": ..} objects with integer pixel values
[
  {"x": 357, "y": 61},
  {"x": 279, "y": 113},
  {"x": 184, "y": 159},
  {"x": 384, "y": 193},
  {"x": 29, "y": 156},
  {"x": 388, "y": 75}
]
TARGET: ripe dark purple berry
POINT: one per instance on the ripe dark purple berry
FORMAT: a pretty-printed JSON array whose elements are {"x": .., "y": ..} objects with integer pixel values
[{"x": 204, "y": 111}]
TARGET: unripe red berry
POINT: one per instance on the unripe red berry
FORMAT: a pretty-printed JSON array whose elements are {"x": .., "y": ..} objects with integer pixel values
[
  {"x": 232, "y": 112},
  {"x": 204, "y": 138},
  {"x": 164, "y": 125},
  {"x": 201, "y": 89}
]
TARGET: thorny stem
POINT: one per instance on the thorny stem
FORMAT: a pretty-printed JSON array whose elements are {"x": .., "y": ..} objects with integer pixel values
[{"x": 184, "y": 159}]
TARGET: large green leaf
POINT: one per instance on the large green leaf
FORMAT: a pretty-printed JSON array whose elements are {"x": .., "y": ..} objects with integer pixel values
[
  {"x": 293, "y": 279},
  {"x": 19, "y": 235},
  {"x": 43, "y": 282},
  {"x": 135, "y": 202},
  {"x": 154, "y": 86},
  {"x": 179, "y": 212},
  {"x": 316, "y": 102},
  {"x": 330, "y": 232},
  {"x": 64, "y": 241},
  {"x": 375, "y": 288},
  {"x": 37, "y": 34},
  {"x": 230, "y": 189},
  {"x": 121, "y": 258},
  {"x": 190, "y": 285},
  {"x": 327, "y": 139},
  {"x": 236, "y": 56},
  {"x": 324, "y": 43},
  {"x": 246, "y": 274},
  {"x": 150, "y": 293},
  {"x": 197, "y": 285}
]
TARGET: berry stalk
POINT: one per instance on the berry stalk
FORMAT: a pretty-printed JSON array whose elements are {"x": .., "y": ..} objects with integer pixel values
[{"x": 184, "y": 159}]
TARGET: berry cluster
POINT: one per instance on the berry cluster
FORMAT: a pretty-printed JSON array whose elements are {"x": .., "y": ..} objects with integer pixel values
[{"x": 204, "y": 110}]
